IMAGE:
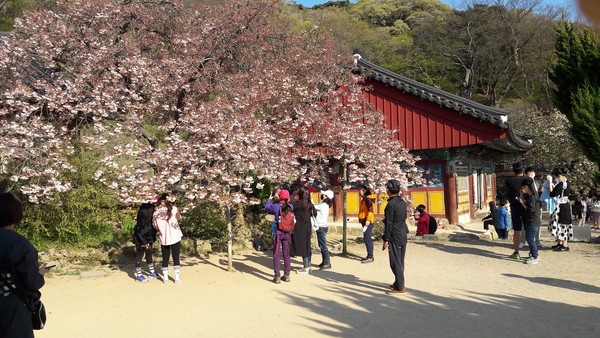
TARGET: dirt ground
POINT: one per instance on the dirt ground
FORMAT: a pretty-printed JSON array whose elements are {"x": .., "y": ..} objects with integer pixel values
[{"x": 456, "y": 289}]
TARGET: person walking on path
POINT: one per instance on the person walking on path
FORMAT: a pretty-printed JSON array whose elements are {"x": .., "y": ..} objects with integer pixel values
[
  {"x": 144, "y": 236},
  {"x": 366, "y": 217},
  {"x": 502, "y": 219},
  {"x": 303, "y": 209},
  {"x": 532, "y": 217},
  {"x": 322, "y": 218},
  {"x": 395, "y": 235},
  {"x": 22, "y": 277},
  {"x": 513, "y": 187},
  {"x": 166, "y": 222},
  {"x": 561, "y": 220},
  {"x": 281, "y": 238}
]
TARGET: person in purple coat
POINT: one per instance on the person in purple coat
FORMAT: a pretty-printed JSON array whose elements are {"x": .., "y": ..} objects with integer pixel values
[{"x": 281, "y": 240}]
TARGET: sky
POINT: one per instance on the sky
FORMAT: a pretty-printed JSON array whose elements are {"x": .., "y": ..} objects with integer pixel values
[{"x": 310, "y": 3}]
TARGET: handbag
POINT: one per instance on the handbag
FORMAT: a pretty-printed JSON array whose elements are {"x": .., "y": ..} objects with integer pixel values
[{"x": 37, "y": 308}]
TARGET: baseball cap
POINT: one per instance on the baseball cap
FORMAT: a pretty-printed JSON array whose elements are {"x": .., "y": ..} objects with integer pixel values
[
  {"x": 327, "y": 193},
  {"x": 284, "y": 194}
]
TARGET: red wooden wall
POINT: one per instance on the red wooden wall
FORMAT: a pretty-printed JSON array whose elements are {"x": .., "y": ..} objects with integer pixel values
[{"x": 422, "y": 124}]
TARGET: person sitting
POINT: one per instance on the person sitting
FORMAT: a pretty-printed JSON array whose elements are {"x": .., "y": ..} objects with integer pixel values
[
  {"x": 490, "y": 218},
  {"x": 422, "y": 218}
]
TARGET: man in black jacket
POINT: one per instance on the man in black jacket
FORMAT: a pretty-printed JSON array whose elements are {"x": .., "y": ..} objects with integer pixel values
[{"x": 394, "y": 236}]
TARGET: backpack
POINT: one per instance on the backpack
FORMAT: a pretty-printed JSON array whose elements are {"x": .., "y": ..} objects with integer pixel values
[
  {"x": 287, "y": 221},
  {"x": 432, "y": 225}
]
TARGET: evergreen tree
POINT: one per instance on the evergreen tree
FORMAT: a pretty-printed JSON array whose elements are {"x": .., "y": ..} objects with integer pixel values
[{"x": 575, "y": 72}]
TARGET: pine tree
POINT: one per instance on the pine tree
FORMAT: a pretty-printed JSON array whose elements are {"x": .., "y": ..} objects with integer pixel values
[{"x": 576, "y": 74}]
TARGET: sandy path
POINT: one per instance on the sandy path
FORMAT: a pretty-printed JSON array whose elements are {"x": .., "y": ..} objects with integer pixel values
[{"x": 455, "y": 289}]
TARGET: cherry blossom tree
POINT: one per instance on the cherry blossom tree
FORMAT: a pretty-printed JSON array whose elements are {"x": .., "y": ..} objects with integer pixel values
[{"x": 184, "y": 101}]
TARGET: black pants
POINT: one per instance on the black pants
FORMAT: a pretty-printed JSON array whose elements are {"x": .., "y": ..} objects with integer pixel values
[
  {"x": 486, "y": 224},
  {"x": 502, "y": 233},
  {"x": 397, "y": 253},
  {"x": 139, "y": 253},
  {"x": 166, "y": 251}
]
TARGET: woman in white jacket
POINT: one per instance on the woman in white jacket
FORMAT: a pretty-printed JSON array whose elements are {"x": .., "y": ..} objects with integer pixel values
[
  {"x": 166, "y": 222},
  {"x": 321, "y": 221}
]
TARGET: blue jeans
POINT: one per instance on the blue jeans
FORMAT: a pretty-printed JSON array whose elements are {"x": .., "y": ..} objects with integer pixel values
[
  {"x": 369, "y": 240},
  {"x": 530, "y": 232},
  {"x": 322, "y": 240}
]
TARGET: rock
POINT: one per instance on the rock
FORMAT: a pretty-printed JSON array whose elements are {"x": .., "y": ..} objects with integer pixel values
[
  {"x": 430, "y": 237},
  {"x": 359, "y": 240}
]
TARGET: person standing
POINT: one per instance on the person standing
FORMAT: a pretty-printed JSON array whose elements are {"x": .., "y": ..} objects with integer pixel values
[
  {"x": 561, "y": 221},
  {"x": 595, "y": 209},
  {"x": 281, "y": 238},
  {"x": 366, "y": 217},
  {"x": 144, "y": 236},
  {"x": 303, "y": 210},
  {"x": 537, "y": 190},
  {"x": 395, "y": 235},
  {"x": 166, "y": 222},
  {"x": 322, "y": 218},
  {"x": 513, "y": 187},
  {"x": 531, "y": 218},
  {"x": 545, "y": 196},
  {"x": 20, "y": 270}
]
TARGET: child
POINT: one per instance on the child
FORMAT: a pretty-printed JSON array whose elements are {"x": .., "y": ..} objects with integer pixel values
[
  {"x": 502, "y": 219},
  {"x": 144, "y": 235},
  {"x": 490, "y": 218},
  {"x": 531, "y": 218}
]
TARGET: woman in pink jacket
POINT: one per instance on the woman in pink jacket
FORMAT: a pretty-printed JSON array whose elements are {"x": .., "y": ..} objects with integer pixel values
[{"x": 166, "y": 222}]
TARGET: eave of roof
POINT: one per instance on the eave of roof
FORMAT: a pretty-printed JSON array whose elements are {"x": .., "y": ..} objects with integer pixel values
[{"x": 460, "y": 104}]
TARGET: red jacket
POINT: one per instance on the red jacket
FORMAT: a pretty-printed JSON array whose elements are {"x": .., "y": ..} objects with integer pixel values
[{"x": 423, "y": 225}]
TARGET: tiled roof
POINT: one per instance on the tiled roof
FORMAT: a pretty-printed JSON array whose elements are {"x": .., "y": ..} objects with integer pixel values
[
  {"x": 514, "y": 142},
  {"x": 435, "y": 95}
]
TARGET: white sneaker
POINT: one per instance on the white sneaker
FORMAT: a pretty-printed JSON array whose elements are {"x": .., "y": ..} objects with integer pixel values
[
  {"x": 177, "y": 281},
  {"x": 532, "y": 260},
  {"x": 487, "y": 233},
  {"x": 539, "y": 244},
  {"x": 304, "y": 271}
]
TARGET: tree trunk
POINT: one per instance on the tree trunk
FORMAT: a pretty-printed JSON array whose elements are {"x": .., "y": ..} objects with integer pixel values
[{"x": 229, "y": 240}]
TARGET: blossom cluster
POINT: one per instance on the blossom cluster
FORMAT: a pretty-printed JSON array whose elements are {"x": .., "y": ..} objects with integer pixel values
[{"x": 183, "y": 101}]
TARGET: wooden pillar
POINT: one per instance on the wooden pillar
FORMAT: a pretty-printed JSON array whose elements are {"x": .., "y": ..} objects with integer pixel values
[{"x": 451, "y": 199}]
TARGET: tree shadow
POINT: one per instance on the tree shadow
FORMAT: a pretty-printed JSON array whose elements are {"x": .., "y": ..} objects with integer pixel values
[
  {"x": 559, "y": 283},
  {"x": 464, "y": 250},
  {"x": 368, "y": 311}
]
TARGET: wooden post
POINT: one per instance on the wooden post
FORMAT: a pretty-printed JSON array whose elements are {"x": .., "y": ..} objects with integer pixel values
[{"x": 451, "y": 199}]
